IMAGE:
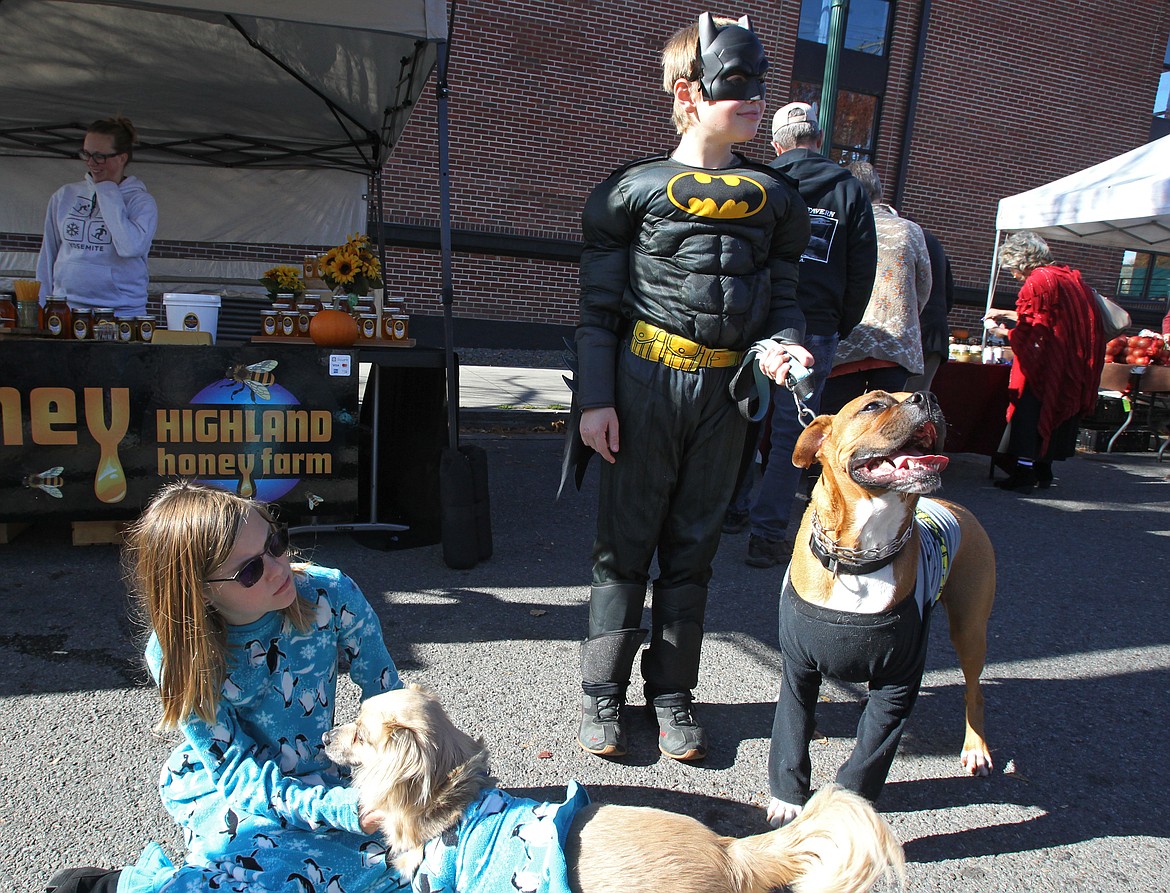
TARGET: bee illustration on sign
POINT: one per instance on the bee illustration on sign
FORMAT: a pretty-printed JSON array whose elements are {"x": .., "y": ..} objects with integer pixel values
[
  {"x": 314, "y": 501},
  {"x": 255, "y": 377},
  {"x": 50, "y": 481}
]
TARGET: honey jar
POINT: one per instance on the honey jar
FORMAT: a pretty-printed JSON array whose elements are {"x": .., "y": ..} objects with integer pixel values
[
  {"x": 82, "y": 324},
  {"x": 288, "y": 322},
  {"x": 105, "y": 324},
  {"x": 269, "y": 322},
  {"x": 145, "y": 325},
  {"x": 305, "y": 313},
  {"x": 368, "y": 326},
  {"x": 58, "y": 318},
  {"x": 399, "y": 323},
  {"x": 7, "y": 312}
]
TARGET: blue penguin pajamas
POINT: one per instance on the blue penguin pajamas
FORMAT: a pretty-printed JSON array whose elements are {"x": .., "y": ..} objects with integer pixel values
[
  {"x": 503, "y": 843},
  {"x": 261, "y": 806}
]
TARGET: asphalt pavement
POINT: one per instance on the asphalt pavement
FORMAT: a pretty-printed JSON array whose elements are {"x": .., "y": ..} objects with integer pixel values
[{"x": 1077, "y": 679}]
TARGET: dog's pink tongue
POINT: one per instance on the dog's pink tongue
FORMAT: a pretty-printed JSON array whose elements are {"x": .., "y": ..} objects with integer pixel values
[{"x": 935, "y": 463}]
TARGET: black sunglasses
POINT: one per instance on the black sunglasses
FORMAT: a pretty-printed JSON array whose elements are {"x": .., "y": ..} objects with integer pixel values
[
  {"x": 249, "y": 575},
  {"x": 99, "y": 157}
]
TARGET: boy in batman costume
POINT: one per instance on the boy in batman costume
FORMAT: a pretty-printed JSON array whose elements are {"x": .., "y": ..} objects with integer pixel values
[{"x": 689, "y": 260}]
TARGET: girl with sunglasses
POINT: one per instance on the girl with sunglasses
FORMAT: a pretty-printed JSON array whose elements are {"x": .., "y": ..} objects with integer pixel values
[
  {"x": 245, "y": 648},
  {"x": 98, "y": 231}
]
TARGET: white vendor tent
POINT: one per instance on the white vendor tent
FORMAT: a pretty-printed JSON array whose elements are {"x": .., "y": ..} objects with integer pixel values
[
  {"x": 260, "y": 121},
  {"x": 1121, "y": 203}
]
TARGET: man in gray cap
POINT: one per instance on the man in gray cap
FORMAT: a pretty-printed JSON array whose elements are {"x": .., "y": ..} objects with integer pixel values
[{"x": 836, "y": 278}]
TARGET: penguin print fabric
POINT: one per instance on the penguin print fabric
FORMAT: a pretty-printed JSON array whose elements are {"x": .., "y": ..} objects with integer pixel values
[
  {"x": 260, "y": 805},
  {"x": 503, "y": 843}
]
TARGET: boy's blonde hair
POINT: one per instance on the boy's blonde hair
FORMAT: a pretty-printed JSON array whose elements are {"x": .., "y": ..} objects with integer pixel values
[
  {"x": 681, "y": 59},
  {"x": 184, "y": 535}
]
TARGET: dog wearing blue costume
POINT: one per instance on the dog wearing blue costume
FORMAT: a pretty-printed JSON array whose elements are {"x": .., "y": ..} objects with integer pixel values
[{"x": 448, "y": 826}]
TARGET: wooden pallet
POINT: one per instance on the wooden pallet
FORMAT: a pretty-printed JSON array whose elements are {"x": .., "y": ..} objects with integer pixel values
[
  {"x": 10, "y": 531},
  {"x": 99, "y": 533},
  {"x": 85, "y": 533}
]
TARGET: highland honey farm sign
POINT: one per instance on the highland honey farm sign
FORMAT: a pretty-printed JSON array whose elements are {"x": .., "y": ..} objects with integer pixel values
[{"x": 91, "y": 430}]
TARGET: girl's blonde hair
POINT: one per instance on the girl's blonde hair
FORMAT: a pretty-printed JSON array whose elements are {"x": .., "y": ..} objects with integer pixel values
[
  {"x": 183, "y": 536},
  {"x": 681, "y": 59}
]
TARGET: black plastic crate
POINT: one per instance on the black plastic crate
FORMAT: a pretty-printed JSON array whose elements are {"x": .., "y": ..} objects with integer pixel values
[
  {"x": 1129, "y": 441},
  {"x": 1108, "y": 414}
]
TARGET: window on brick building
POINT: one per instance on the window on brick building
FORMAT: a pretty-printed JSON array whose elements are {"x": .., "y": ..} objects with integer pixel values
[
  {"x": 855, "y": 124},
  {"x": 865, "y": 30},
  {"x": 1161, "y": 123},
  {"x": 1144, "y": 283},
  {"x": 861, "y": 75}
]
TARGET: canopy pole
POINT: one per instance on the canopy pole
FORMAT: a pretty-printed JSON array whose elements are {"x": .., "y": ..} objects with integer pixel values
[
  {"x": 448, "y": 296},
  {"x": 992, "y": 282},
  {"x": 380, "y": 198}
]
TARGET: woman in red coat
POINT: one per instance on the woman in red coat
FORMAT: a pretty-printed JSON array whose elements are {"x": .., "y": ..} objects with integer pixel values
[{"x": 1058, "y": 348}]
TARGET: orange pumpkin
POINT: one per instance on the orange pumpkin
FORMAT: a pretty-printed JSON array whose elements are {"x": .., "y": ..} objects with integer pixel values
[{"x": 333, "y": 328}]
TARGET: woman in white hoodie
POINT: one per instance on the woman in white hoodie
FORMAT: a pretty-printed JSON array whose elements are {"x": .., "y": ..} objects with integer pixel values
[{"x": 98, "y": 230}]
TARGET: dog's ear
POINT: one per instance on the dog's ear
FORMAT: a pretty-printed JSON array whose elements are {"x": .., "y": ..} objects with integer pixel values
[
  {"x": 810, "y": 440},
  {"x": 395, "y": 774}
]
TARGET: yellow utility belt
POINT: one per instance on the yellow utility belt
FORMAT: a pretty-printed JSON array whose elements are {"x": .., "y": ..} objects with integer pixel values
[{"x": 657, "y": 345}]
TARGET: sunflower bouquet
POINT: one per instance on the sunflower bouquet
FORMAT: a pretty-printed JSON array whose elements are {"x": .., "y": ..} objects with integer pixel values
[
  {"x": 283, "y": 279},
  {"x": 351, "y": 268}
]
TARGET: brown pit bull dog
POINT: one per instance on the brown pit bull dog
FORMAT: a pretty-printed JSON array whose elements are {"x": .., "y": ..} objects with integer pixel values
[{"x": 871, "y": 558}]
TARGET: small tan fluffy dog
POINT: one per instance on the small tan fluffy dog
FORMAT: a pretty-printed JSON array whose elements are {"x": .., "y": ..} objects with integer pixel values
[{"x": 422, "y": 774}]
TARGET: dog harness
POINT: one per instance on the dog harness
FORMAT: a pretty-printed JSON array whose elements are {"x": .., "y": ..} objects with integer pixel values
[
  {"x": 503, "y": 843},
  {"x": 939, "y": 536}
]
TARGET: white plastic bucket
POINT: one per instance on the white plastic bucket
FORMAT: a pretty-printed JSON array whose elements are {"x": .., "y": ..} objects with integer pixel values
[{"x": 192, "y": 313}]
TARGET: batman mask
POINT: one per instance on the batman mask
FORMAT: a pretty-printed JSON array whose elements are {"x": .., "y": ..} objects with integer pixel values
[{"x": 733, "y": 60}]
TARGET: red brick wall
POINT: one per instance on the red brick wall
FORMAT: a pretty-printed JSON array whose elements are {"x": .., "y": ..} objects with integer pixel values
[
  {"x": 895, "y": 103},
  {"x": 1014, "y": 95}
]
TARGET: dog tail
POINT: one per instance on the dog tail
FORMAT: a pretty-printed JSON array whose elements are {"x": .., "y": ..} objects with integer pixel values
[{"x": 838, "y": 844}]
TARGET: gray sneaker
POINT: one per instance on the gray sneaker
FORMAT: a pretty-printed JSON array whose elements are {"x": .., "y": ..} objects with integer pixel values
[
  {"x": 601, "y": 731},
  {"x": 680, "y": 736},
  {"x": 763, "y": 552}
]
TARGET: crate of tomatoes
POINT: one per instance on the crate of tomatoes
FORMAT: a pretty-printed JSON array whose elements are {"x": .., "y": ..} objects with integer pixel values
[{"x": 1144, "y": 349}]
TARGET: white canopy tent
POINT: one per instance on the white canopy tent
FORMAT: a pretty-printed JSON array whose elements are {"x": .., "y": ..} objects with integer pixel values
[
  {"x": 1121, "y": 203},
  {"x": 260, "y": 120}
]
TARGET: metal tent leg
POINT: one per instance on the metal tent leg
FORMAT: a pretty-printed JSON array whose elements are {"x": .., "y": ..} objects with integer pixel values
[{"x": 372, "y": 524}]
